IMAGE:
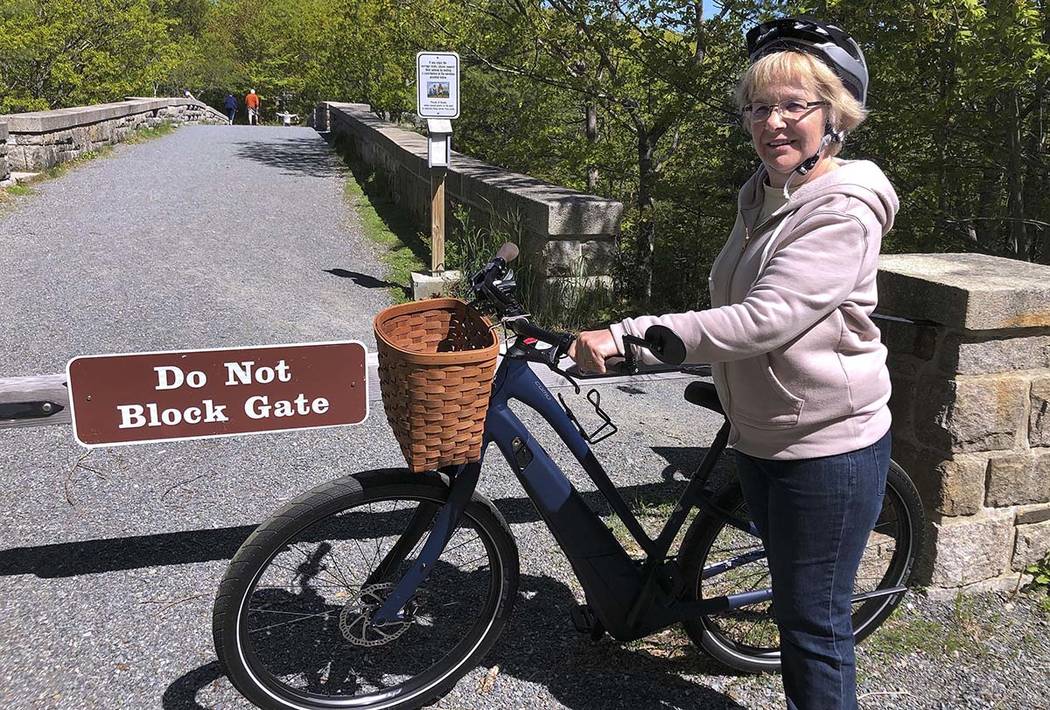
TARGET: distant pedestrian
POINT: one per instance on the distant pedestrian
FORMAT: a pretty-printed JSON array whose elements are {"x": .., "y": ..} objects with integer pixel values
[
  {"x": 231, "y": 107},
  {"x": 252, "y": 102}
]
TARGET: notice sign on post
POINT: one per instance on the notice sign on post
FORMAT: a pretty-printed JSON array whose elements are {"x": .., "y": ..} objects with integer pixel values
[
  {"x": 437, "y": 85},
  {"x": 140, "y": 397}
]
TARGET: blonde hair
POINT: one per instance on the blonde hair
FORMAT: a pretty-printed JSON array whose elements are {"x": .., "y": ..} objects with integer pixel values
[{"x": 845, "y": 113}]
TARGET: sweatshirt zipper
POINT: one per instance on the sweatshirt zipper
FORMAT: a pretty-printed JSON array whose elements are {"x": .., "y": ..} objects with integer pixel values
[{"x": 729, "y": 286}]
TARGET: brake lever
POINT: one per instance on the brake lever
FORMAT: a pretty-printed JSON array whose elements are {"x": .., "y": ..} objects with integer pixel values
[
  {"x": 549, "y": 358},
  {"x": 630, "y": 359}
]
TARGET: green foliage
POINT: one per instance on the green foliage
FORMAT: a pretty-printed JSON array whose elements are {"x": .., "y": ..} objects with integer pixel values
[
  {"x": 147, "y": 134},
  {"x": 20, "y": 190},
  {"x": 76, "y": 52},
  {"x": 1040, "y": 572}
]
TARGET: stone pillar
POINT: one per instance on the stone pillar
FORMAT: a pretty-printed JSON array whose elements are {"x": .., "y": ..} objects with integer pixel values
[
  {"x": 5, "y": 172},
  {"x": 971, "y": 388}
]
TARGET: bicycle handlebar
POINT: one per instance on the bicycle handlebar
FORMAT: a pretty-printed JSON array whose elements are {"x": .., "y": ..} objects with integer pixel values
[{"x": 494, "y": 284}]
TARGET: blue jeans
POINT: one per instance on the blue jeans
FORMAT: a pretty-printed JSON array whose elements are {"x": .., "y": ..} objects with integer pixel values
[{"x": 814, "y": 516}]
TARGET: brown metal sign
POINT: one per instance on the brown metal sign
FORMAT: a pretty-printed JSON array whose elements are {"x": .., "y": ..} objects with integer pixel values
[{"x": 188, "y": 394}]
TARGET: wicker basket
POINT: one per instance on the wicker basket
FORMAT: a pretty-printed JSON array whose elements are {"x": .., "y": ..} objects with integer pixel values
[{"x": 436, "y": 360}]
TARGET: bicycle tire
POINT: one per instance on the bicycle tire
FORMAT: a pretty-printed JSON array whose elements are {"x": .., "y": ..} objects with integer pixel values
[
  {"x": 297, "y": 649},
  {"x": 902, "y": 514}
]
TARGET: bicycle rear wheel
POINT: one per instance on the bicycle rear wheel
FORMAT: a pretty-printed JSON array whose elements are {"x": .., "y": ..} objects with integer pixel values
[
  {"x": 747, "y": 638},
  {"x": 291, "y": 621}
]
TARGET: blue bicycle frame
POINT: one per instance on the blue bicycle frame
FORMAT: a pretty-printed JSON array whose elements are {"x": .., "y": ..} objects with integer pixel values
[{"x": 631, "y": 600}]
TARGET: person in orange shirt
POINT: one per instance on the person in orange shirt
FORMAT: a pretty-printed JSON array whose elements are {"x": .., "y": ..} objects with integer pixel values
[{"x": 252, "y": 102}]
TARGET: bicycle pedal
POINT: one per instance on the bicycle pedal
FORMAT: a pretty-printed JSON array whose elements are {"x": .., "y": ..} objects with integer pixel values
[{"x": 586, "y": 622}]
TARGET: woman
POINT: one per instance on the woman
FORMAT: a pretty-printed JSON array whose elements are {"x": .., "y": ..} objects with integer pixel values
[{"x": 797, "y": 362}]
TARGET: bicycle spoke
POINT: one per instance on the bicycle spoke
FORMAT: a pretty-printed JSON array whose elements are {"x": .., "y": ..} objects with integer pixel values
[
  {"x": 294, "y": 621},
  {"x": 378, "y": 555},
  {"x": 313, "y": 585},
  {"x": 462, "y": 544},
  {"x": 309, "y": 560}
]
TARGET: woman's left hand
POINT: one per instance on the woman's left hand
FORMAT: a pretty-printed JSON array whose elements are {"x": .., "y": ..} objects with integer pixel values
[{"x": 590, "y": 349}]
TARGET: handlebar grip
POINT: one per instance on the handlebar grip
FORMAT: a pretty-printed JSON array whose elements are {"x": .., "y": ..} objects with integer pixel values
[
  {"x": 665, "y": 344},
  {"x": 660, "y": 340},
  {"x": 527, "y": 330},
  {"x": 508, "y": 252}
]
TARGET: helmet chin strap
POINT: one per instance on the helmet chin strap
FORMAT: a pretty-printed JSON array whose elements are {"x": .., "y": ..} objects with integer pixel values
[{"x": 830, "y": 136}]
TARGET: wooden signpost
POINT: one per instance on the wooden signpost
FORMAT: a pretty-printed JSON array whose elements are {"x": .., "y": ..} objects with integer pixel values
[{"x": 437, "y": 100}]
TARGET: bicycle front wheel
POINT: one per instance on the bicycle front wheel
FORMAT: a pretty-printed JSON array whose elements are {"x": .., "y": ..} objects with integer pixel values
[
  {"x": 291, "y": 621},
  {"x": 747, "y": 638}
]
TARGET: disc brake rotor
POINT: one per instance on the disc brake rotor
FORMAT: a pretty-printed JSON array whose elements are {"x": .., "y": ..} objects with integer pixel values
[{"x": 355, "y": 620}]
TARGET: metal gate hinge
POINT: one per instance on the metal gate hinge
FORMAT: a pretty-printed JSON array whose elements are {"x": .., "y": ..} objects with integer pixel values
[{"x": 29, "y": 410}]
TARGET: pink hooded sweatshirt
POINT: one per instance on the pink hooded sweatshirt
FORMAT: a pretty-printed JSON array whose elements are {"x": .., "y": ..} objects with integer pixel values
[{"x": 799, "y": 366}]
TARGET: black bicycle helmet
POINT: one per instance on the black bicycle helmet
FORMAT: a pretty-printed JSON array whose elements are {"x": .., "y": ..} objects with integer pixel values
[{"x": 828, "y": 43}]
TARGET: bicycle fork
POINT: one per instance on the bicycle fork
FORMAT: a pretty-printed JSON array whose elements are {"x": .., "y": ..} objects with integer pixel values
[{"x": 464, "y": 481}]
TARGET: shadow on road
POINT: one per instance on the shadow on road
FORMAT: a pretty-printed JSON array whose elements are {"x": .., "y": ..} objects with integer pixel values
[
  {"x": 191, "y": 546},
  {"x": 295, "y": 156},
  {"x": 366, "y": 281},
  {"x": 182, "y": 694},
  {"x": 539, "y": 646}
]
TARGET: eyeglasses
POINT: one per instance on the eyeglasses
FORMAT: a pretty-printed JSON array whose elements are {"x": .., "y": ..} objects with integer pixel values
[{"x": 790, "y": 109}]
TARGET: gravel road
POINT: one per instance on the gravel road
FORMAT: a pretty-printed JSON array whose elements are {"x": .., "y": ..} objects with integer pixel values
[{"x": 223, "y": 236}]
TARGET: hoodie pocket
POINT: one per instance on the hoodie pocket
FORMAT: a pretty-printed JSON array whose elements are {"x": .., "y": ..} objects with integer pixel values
[{"x": 760, "y": 400}]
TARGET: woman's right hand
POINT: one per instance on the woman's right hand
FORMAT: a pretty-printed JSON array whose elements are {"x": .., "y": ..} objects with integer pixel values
[{"x": 591, "y": 348}]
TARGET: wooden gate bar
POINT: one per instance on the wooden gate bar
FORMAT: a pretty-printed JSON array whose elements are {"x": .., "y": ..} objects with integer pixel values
[{"x": 52, "y": 388}]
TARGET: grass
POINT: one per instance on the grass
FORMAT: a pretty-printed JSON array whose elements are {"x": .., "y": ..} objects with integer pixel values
[
  {"x": 19, "y": 190},
  {"x": 384, "y": 222},
  {"x": 56, "y": 171},
  {"x": 8, "y": 195},
  {"x": 652, "y": 510},
  {"x": 388, "y": 228},
  {"x": 147, "y": 134}
]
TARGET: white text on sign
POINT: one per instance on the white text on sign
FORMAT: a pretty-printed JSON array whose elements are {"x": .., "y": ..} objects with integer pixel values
[{"x": 171, "y": 377}]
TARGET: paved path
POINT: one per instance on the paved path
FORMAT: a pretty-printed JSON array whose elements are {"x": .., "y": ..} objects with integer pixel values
[
  {"x": 209, "y": 237},
  {"x": 213, "y": 236}
]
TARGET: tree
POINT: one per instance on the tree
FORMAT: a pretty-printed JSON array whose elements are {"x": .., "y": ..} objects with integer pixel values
[{"x": 74, "y": 52}]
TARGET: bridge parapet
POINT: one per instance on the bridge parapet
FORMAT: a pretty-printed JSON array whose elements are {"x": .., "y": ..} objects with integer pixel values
[
  {"x": 42, "y": 139},
  {"x": 568, "y": 235},
  {"x": 5, "y": 172},
  {"x": 971, "y": 392}
]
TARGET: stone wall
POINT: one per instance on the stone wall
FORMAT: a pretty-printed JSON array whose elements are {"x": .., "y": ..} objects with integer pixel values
[
  {"x": 42, "y": 139},
  {"x": 568, "y": 237},
  {"x": 5, "y": 172},
  {"x": 971, "y": 390}
]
